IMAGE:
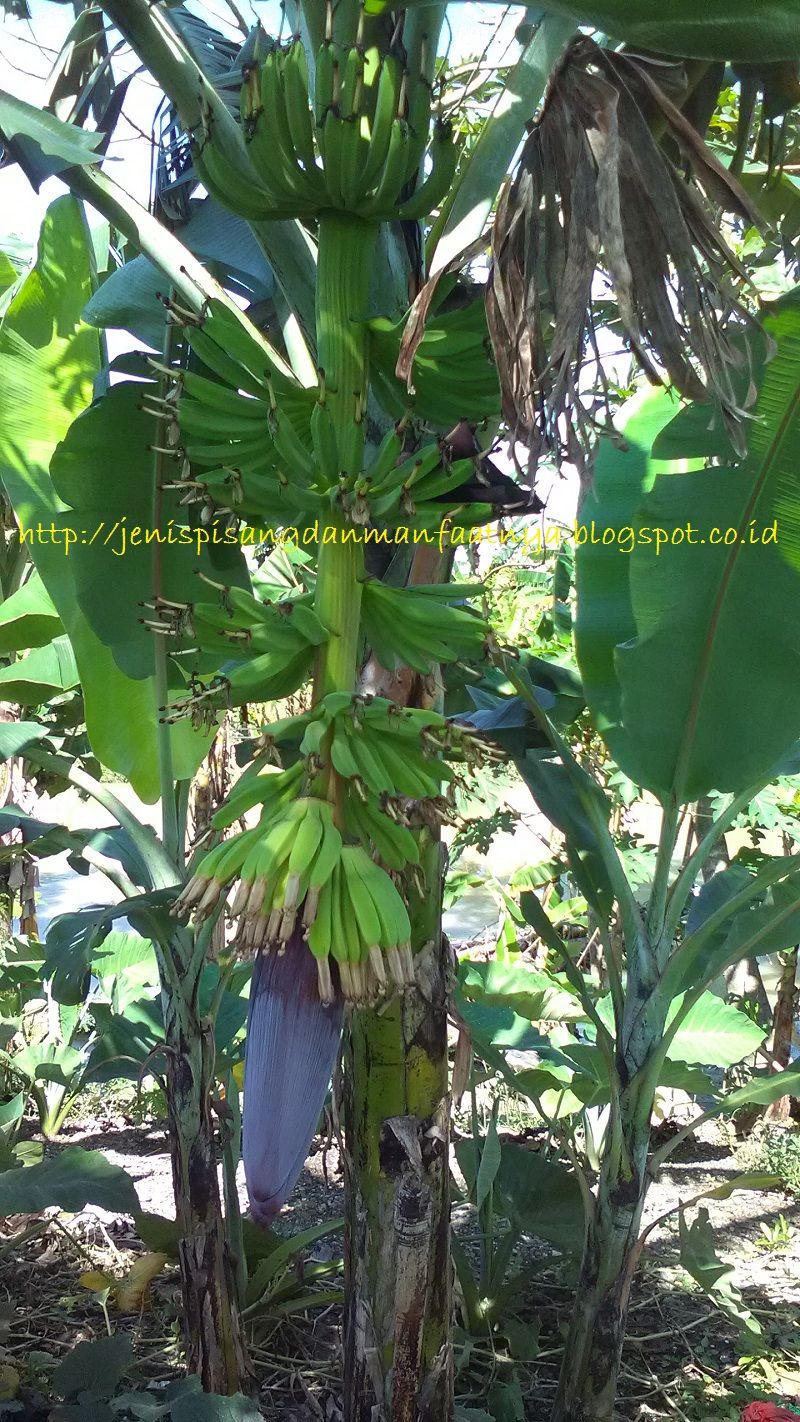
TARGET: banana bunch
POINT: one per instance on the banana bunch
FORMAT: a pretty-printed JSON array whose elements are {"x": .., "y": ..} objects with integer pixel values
[
  {"x": 295, "y": 865},
  {"x": 389, "y": 754},
  {"x": 417, "y": 627},
  {"x": 454, "y": 376},
  {"x": 361, "y": 921},
  {"x": 398, "y": 487},
  {"x": 378, "y": 825},
  {"x": 271, "y": 646},
  {"x": 354, "y": 145},
  {"x": 256, "y": 442},
  {"x": 242, "y": 421}
]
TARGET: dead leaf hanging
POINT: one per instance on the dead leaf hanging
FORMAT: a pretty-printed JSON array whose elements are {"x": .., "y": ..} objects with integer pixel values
[{"x": 596, "y": 203}]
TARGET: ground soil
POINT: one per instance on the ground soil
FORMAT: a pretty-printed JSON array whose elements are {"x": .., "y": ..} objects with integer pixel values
[{"x": 683, "y": 1358}]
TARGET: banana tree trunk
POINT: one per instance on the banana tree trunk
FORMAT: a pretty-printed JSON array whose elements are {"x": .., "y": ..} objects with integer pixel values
[
  {"x": 398, "y": 1354},
  {"x": 214, "y": 1342},
  {"x": 588, "y": 1383}
]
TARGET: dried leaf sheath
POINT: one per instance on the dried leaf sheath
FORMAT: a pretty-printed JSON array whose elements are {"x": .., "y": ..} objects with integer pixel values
[
  {"x": 596, "y": 201},
  {"x": 292, "y": 1042}
]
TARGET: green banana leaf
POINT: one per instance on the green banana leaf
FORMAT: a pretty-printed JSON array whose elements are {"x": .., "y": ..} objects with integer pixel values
[
  {"x": 8, "y": 273},
  {"x": 109, "y": 515},
  {"x": 44, "y": 673},
  {"x": 48, "y": 362},
  {"x": 720, "y": 29},
  {"x": 43, "y": 133},
  {"x": 690, "y": 652},
  {"x": 480, "y": 179},
  {"x": 28, "y": 618}
]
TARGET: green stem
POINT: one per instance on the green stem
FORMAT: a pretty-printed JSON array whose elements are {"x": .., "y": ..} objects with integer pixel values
[
  {"x": 170, "y": 834},
  {"x": 656, "y": 909},
  {"x": 344, "y": 262},
  {"x": 346, "y": 246},
  {"x": 682, "y": 886}
]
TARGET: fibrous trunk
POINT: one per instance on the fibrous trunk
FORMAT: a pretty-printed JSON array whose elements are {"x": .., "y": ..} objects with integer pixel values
[
  {"x": 588, "y": 1382},
  {"x": 398, "y": 1359},
  {"x": 215, "y": 1347}
]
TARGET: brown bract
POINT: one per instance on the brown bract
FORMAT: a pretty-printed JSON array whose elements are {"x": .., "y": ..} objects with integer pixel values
[{"x": 596, "y": 203}]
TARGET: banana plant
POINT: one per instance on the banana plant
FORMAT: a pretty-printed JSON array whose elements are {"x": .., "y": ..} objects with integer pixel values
[
  {"x": 338, "y": 888},
  {"x": 707, "y": 620}
]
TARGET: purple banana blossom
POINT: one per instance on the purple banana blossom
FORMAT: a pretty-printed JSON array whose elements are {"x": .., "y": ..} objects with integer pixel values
[{"x": 292, "y": 1042}]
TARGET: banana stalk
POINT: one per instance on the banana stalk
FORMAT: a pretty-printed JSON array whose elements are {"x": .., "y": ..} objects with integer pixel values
[{"x": 290, "y": 1025}]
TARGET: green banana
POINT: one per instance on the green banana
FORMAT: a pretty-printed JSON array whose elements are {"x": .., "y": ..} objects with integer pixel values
[
  {"x": 307, "y": 839},
  {"x": 324, "y": 81},
  {"x": 332, "y": 145},
  {"x": 328, "y": 853},
  {"x": 323, "y": 437},
  {"x": 419, "y": 120},
  {"x": 308, "y": 624},
  {"x": 382, "y": 202},
  {"x": 342, "y": 758},
  {"x": 368, "y": 758},
  {"x": 444, "y": 155},
  {"x": 298, "y": 111},
  {"x": 270, "y": 786},
  {"x": 366, "y": 915},
  {"x": 233, "y": 182},
  {"x": 386, "y": 108},
  {"x": 221, "y": 397},
  {"x": 319, "y": 937},
  {"x": 268, "y": 677},
  {"x": 217, "y": 360}
]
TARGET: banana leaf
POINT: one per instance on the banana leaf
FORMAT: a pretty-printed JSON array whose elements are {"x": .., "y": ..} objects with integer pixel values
[
  {"x": 722, "y": 29},
  {"x": 690, "y": 650},
  {"x": 48, "y": 362}
]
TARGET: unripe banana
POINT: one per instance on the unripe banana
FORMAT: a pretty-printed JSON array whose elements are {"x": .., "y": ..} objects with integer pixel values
[
  {"x": 386, "y": 103},
  {"x": 328, "y": 853},
  {"x": 419, "y": 120},
  {"x": 342, "y": 758},
  {"x": 368, "y": 757},
  {"x": 290, "y": 447},
  {"x": 218, "y": 361},
  {"x": 366, "y": 915},
  {"x": 382, "y": 201},
  {"x": 222, "y": 398},
  {"x": 307, "y": 837},
  {"x": 271, "y": 147},
  {"x": 332, "y": 146},
  {"x": 324, "y": 81},
  {"x": 308, "y": 624},
  {"x": 298, "y": 111},
  {"x": 386, "y": 456},
  {"x": 444, "y": 156},
  {"x": 323, "y": 436}
]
